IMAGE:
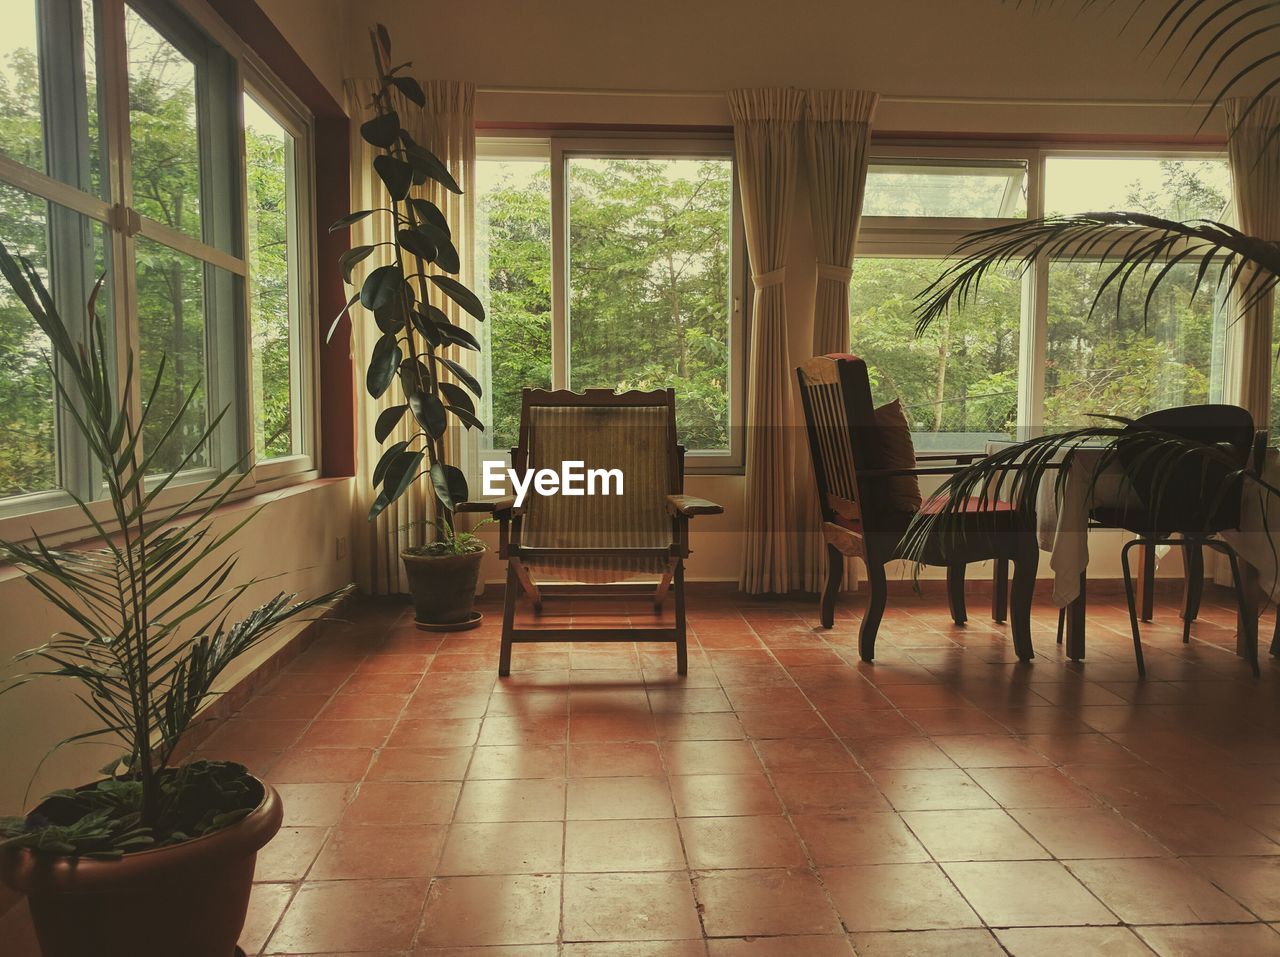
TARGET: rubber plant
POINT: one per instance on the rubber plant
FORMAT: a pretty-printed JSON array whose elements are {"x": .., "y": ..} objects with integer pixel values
[
  {"x": 403, "y": 297},
  {"x": 1219, "y": 47},
  {"x": 149, "y": 611}
]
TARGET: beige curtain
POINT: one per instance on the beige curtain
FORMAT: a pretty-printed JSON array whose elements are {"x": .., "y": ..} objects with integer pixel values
[
  {"x": 1255, "y": 177},
  {"x": 766, "y": 134},
  {"x": 837, "y": 136},
  {"x": 446, "y": 127}
]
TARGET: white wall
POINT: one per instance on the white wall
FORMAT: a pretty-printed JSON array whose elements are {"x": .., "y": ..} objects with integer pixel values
[{"x": 293, "y": 537}]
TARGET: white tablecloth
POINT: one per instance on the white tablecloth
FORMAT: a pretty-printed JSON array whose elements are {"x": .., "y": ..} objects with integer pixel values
[{"x": 1063, "y": 524}]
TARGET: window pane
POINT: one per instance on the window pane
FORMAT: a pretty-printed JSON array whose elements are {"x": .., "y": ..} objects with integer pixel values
[
  {"x": 273, "y": 275},
  {"x": 28, "y": 423},
  {"x": 171, "y": 323},
  {"x": 1114, "y": 362},
  {"x": 513, "y": 262},
  {"x": 1170, "y": 188},
  {"x": 650, "y": 248},
  {"x": 163, "y": 129},
  {"x": 49, "y": 117},
  {"x": 958, "y": 384},
  {"x": 978, "y": 189}
]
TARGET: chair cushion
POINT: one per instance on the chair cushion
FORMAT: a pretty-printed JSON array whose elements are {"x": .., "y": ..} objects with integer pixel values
[{"x": 897, "y": 451}]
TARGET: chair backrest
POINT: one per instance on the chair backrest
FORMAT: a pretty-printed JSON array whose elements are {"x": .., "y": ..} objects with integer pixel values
[
  {"x": 835, "y": 392},
  {"x": 1190, "y": 492},
  {"x": 631, "y": 432}
]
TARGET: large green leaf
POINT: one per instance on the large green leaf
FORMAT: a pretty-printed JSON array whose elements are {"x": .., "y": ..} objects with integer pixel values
[
  {"x": 457, "y": 396},
  {"x": 418, "y": 243},
  {"x": 426, "y": 211},
  {"x": 388, "y": 419},
  {"x": 347, "y": 261},
  {"x": 428, "y": 165},
  {"x": 396, "y": 175},
  {"x": 450, "y": 485},
  {"x": 400, "y": 475},
  {"x": 460, "y": 294},
  {"x": 411, "y": 89},
  {"x": 333, "y": 326},
  {"x": 350, "y": 219},
  {"x": 429, "y": 411},
  {"x": 470, "y": 381},
  {"x": 384, "y": 462},
  {"x": 382, "y": 365},
  {"x": 380, "y": 286},
  {"x": 468, "y": 418},
  {"x": 382, "y": 131}
]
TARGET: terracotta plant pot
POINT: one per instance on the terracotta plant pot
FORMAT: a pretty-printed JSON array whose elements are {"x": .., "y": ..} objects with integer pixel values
[
  {"x": 444, "y": 588},
  {"x": 187, "y": 899}
]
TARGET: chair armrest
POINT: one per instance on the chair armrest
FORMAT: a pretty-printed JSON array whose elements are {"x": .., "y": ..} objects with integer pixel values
[
  {"x": 1259, "y": 449},
  {"x": 689, "y": 506},
  {"x": 499, "y": 507}
]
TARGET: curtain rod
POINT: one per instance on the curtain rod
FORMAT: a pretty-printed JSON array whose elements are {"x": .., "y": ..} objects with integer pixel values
[{"x": 887, "y": 98}]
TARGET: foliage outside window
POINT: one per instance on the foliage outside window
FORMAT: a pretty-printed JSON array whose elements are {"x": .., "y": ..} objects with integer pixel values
[
  {"x": 204, "y": 235},
  {"x": 958, "y": 384},
  {"x": 649, "y": 269},
  {"x": 1130, "y": 361}
]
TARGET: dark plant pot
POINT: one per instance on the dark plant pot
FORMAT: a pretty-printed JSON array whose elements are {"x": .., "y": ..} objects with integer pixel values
[
  {"x": 187, "y": 899},
  {"x": 444, "y": 587}
]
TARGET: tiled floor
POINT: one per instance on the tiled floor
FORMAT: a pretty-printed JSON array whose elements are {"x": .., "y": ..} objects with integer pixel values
[{"x": 783, "y": 799}]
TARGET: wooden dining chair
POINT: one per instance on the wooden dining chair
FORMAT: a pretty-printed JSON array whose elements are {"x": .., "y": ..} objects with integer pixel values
[
  {"x": 594, "y": 545},
  {"x": 1190, "y": 496},
  {"x": 861, "y": 520}
]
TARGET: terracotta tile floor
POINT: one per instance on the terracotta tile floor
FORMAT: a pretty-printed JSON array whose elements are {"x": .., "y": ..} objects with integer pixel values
[{"x": 783, "y": 799}]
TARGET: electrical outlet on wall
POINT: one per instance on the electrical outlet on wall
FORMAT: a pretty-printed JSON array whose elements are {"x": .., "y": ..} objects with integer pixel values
[{"x": 341, "y": 547}]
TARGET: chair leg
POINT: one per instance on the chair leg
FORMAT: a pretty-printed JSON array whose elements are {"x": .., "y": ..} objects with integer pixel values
[
  {"x": 1024, "y": 587},
  {"x": 831, "y": 588},
  {"x": 1148, "y": 582},
  {"x": 955, "y": 593},
  {"x": 1193, "y": 587},
  {"x": 1246, "y": 615},
  {"x": 1000, "y": 591},
  {"x": 878, "y": 588},
  {"x": 1062, "y": 623},
  {"x": 682, "y": 642},
  {"x": 1132, "y": 602},
  {"x": 508, "y": 620}
]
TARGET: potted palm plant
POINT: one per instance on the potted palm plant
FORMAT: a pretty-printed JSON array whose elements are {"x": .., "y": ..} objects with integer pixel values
[
  {"x": 417, "y": 348},
  {"x": 155, "y": 859}
]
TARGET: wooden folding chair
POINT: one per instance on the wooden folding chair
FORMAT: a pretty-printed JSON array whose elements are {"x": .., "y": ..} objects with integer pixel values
[{"x": 594, "y": 543}]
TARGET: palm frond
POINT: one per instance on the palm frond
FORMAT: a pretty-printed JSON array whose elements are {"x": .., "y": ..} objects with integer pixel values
[
  {"x": 1126, "y": 246},
  {"x": 149, "y": 609}
]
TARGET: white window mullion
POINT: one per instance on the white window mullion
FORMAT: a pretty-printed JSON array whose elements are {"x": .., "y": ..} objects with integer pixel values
[{"x": 559, "y": 268}]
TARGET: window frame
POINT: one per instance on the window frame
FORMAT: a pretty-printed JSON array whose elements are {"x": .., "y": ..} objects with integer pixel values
[
  {"x": 53, "y": 513},
  {"x": 558, "y": 149}
]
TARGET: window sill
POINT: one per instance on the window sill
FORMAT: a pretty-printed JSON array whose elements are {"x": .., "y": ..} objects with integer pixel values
[{"x": 65, "y": 526}]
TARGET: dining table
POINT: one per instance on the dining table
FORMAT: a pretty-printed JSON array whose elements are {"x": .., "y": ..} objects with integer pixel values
[{"x": 1070, "y": 490}]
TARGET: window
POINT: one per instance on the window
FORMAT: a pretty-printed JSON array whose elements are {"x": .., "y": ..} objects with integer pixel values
[
  {"x": 513, "y": 262},
  {"x": 958, "y": 384},
  {"x": 195, "y": 220},
  {"x": 974, "y": 189},
  {"x": 1132, "y": 360},
  {"x": 1030, "y": 352},
  {"x": 640, "y": 289}
]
